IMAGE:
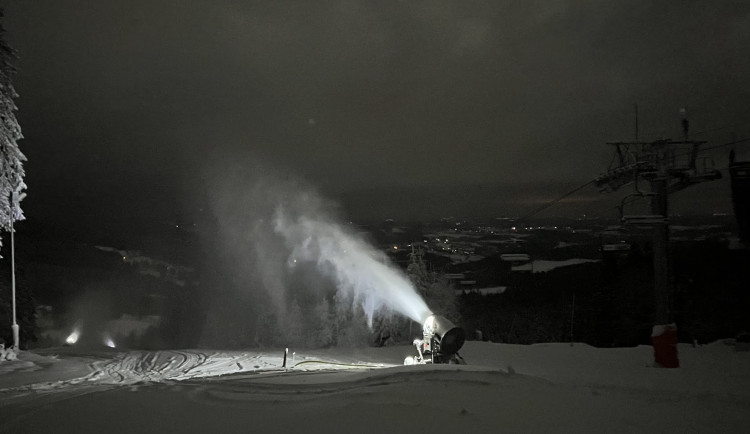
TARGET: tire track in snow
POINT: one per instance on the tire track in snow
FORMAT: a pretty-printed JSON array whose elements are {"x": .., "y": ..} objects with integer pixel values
[
  {"x": 148, "y": 368},
  {"x": 141, "y": 367},
  {"x": 260, "y": 386}
]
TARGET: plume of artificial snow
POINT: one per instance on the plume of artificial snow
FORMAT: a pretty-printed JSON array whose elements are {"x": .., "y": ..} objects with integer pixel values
[{"x": 357, "y": 268}]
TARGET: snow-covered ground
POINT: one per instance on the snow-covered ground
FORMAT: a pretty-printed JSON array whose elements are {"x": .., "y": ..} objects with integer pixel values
[
  {"x": 504, "y": 388},
  {"x": 543, "y": 266}
]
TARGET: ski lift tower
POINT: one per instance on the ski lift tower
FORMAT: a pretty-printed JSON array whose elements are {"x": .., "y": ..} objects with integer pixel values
[{"x": 666, "y": 166}]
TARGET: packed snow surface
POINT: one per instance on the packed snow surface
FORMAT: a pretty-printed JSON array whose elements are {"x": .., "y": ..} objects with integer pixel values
[
  {"x": 508, "y": 388},
  {"x": 543, "y": 266}
]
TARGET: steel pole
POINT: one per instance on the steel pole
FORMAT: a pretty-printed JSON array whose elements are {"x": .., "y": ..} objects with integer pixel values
[
  {"x": 14, "y": 327},
  {"x": 662, "y": 289},
  {"x": 664, "y": 334}
]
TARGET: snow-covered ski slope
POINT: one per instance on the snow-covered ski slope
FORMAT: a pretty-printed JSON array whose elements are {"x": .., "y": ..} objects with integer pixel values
[{"x": 505, "y": 388}]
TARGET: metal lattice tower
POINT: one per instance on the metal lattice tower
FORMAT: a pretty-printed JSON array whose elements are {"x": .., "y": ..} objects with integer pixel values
[{"x": 666, "y": 166}]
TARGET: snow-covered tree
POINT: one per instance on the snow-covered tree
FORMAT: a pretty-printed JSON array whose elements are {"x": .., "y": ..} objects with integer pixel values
[
  {"x": 322, "y": 323},
  {"x": 11, "y": 157},
  {"x": 434, "y": 288}
]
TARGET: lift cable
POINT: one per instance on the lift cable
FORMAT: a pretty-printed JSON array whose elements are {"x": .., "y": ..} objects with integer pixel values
[
  {"x": 736, "y": 124},
  {"x": 708, "y": 148},
  {"x": 554, "y": 201},
  {"x": 581, "y": 187},
  {"x": 734, "y": 142}
]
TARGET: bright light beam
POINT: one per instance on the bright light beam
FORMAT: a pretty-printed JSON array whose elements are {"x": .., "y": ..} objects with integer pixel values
[{"x": 73, "y": 337}]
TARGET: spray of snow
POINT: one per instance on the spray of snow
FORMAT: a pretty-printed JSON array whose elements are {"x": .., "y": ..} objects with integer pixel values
[
  {"x": 357, "y": 268},
  {"x": 287, "y": 264}
]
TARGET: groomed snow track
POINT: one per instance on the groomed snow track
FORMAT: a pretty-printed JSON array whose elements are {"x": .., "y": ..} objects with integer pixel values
[{"x": 144, "y": 367}]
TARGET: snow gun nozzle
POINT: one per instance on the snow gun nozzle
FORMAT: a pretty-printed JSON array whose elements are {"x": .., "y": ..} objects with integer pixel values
[
  {"x": 449, "y": 337},
  {"x": 440, "y": 342}
]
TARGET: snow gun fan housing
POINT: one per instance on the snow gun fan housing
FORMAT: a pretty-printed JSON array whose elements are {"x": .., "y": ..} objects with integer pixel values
[{"x": 440, "y": 344}]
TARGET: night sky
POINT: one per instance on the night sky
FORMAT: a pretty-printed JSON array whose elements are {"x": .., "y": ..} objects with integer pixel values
[{"x": 397, "y": 108}]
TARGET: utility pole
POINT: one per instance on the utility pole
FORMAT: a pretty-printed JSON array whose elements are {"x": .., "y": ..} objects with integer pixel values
[
  {"x": 667, "y": 166},
  {"x": 16, "y": 197}
]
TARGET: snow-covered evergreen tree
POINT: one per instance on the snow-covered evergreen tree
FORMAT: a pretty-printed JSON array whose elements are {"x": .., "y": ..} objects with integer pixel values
[
  {"x": 434, "y": 288},
  {"x": 322, "y": 324},
  {"x": 11, "y": 158}
]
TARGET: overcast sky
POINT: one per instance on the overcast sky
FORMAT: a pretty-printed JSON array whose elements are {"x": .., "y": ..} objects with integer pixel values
[{"x": 367, "y": 96}]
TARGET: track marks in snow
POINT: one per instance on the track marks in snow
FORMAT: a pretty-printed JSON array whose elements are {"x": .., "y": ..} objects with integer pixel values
[
  {"x": 140, "y": 368},
  {"x": 146, "y": 367},
  {"x": 158, "y": 366},
  {"x": 311, "y": 385}
]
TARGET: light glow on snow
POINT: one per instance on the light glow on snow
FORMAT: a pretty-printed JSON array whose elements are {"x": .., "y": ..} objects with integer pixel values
[
  {"x": 108, "y": 341},
  {"x": 73, "y": 337},
  {"x": 574, "y": 388}
]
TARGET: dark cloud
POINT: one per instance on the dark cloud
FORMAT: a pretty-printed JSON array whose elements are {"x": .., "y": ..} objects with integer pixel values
[{"x": 362, "y": 95}]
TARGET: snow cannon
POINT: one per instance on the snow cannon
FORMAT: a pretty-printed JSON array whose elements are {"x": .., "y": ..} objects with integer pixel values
[{"x": 440, "y": 342}]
